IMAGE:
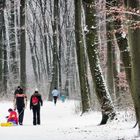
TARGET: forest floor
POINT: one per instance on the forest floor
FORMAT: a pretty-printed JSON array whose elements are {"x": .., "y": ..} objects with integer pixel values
[{"x": 61, "y": 122}]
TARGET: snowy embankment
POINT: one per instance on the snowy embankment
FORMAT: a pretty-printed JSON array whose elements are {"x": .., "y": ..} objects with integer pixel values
[{"x": 61, "y": 123}]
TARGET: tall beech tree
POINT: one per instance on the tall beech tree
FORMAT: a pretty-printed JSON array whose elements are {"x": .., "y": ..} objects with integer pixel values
[
  {"x": 102, "y": 92},
  {"x": 81, "y": 58},
  {"x": 134, "y": 41},
  {"x": 54, "y": 81},
  {"x": 22, "y": 44}
]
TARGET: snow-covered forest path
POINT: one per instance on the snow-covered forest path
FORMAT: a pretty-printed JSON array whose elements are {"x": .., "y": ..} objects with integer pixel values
[{"x": 61, "y": 123}]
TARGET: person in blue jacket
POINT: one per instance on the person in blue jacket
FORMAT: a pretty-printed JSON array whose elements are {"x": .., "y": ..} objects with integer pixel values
[{"x": 55, "y": 94}]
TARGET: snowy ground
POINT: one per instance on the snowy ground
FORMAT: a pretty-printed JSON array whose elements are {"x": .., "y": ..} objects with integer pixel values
[{"x": 61, "y": 123}]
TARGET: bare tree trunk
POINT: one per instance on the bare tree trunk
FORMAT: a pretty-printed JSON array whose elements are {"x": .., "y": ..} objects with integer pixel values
[
  {"x": 33, "y": 42},
  {"x": 60, "y": 49},
  {"x": 5, "y": 55},
  {"x": 22, "y": 44},
  {"x": 3, "y": 51},
  {"x": 123, "y": 43},
  {"x": 43, "y": 7},
  {"x": 54, "y": 82},
  {"x": 121, "y": 39},
  {"x": 1, "y": 45},
  {"x": 97, "y": 76},
  {"x": 110, "y": 70},
  {"x": 81, "y": 57},
  {"x": 134, "y": 41},
  {"x": 13, "y": 68},
  {"x": 116, "y": 70},
  {"x": 70, "y": 65}
]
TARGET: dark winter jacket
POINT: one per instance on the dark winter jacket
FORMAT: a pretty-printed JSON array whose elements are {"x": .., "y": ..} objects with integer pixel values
[
  {"x": 20, "y": 99},
  {"x": 40, "y": 102}
]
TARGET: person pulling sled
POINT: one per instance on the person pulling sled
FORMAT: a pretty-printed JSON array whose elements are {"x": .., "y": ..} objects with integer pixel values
[{"x": 20, "y": 102}]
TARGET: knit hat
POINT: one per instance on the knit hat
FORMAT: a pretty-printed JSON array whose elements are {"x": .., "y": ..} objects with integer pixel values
[
  {"x": 10, "y": 109},
  {"x": 36, "y": 89}
]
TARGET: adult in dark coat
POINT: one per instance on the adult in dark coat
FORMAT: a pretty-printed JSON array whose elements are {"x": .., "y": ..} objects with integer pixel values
[
  {"x": 36, "y": 107},
  {"x": 20, "y": 100}
]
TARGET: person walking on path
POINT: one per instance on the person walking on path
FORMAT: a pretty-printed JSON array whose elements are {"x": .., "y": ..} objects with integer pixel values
[
  {"x": 35, "y": 103},
  {"x": 20, "y": 102},
  {"x": 55, "y": 94}
]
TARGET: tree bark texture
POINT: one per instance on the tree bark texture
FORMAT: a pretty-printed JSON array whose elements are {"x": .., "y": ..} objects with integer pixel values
[
  {"x": 81, "y": 58},
  {"x": 101, "y": 90},
  {"x": 54, "y": 82},
  {"x": 22, "y": 44},
  {"x": 134, "y": 41}
]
